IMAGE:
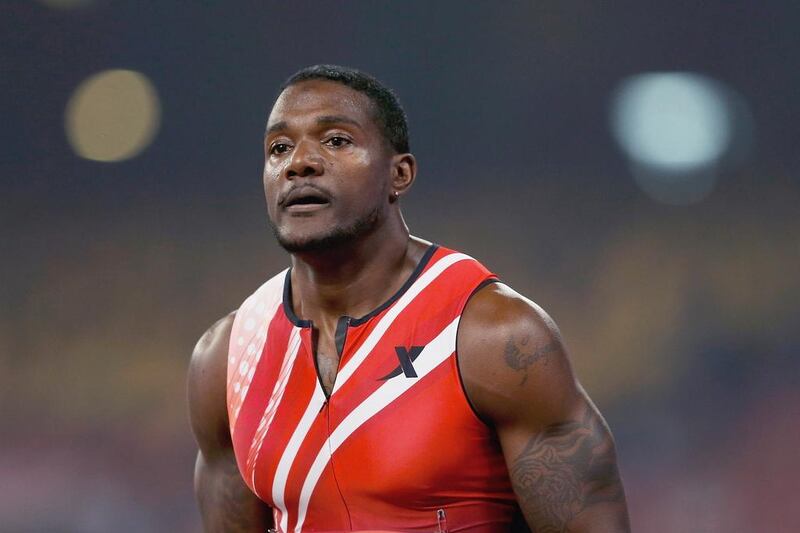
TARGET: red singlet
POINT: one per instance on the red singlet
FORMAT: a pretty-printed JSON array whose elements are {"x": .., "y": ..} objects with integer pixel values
[{"x": 396, "y": 446}]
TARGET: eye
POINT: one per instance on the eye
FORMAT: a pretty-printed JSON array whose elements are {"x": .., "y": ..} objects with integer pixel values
[
  {"x": 278, "y": 148},
  {"x": 337, "y": 141}
]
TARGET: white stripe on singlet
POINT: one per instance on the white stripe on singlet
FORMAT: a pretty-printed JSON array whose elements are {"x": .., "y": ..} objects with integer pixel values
[
  {"x": 248, "y": 337},
  {"x": 423, "y": 281},
  {"x": 292, "y": 348},
  {"x": 435, "y": 352},
  {"x": 344, "y": 373}
]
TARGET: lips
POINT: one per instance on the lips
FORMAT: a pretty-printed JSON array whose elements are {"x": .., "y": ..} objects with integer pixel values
[{"x": 304, "y": 199}]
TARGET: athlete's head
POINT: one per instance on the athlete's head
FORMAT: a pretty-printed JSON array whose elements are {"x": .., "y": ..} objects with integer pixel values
[{"x": 336, "y": 157}]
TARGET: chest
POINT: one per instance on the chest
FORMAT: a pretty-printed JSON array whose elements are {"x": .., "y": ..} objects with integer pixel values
[
  {"x": 370, "y": 428},
  {"x": 384, "y": 431},
  {"x": 327, "y": 348}
]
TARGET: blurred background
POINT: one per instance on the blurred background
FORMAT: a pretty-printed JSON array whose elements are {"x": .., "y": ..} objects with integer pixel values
[{"x": 634, "y": 169}]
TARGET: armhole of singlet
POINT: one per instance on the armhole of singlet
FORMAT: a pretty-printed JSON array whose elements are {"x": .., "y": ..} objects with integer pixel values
[{"x": 460, "y": 380}]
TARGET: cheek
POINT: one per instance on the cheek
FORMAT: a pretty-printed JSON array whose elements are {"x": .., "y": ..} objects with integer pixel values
[
  {"x": 271, "y": 189},
  {"x": 270, "y": 177}
]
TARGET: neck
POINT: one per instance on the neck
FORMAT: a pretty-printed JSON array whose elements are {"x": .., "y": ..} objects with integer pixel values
[{"x": 354, "y": 279}]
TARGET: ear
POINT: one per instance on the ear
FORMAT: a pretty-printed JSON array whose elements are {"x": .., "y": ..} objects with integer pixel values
[{"x": 404, "y": 170}]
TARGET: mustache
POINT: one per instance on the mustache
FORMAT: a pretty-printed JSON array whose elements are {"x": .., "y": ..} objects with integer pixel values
[{"x": 308, "y": 188}]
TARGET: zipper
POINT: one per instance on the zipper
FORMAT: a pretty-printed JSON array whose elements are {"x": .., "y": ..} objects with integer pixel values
[
  {"x": 339, "y": 338},
  {"x": 441, "y": 521},
  {"x": 341, "y": 334}
]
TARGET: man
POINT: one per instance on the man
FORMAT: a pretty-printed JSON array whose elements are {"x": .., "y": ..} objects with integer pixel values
[{"x": 382, "y": 382}]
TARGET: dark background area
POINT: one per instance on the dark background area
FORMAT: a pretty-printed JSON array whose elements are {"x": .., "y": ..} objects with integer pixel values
[{"x": 682, "y": 320}]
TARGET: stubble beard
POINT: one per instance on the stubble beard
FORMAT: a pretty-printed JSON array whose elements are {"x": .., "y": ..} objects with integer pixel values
[{"x": 336, "y": 238}]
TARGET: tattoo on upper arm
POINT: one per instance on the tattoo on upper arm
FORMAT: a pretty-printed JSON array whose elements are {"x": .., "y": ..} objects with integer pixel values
[
  {"x": 565, "y": 469},
  {"x": 519, "y": 355}
]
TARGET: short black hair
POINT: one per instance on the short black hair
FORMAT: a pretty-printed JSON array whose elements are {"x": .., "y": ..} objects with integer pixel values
[{"x": 390, "y": 116}]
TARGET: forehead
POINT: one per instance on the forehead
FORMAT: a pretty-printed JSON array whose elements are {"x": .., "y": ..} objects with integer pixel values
[{"x": 313, "y": 98}]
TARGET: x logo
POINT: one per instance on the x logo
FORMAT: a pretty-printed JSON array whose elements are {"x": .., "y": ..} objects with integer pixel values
[{"x": 405, "y": 366}]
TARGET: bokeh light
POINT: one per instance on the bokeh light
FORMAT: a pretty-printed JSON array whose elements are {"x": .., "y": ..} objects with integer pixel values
[
  {"x": 674, "y": 127},
  {"x": 676, "y": 121},
  {"x": 112, "y": 116}
]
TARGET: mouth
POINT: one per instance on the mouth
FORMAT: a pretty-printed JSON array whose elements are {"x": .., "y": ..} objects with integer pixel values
[{"x": 305, "y": 200}]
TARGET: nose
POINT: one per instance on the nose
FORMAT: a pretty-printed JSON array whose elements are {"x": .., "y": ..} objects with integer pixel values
[{"x": 305, "y": 161}]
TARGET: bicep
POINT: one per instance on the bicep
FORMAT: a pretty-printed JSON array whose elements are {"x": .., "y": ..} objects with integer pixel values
[
  {"x": 226, "y": 503},
  {"x": 558, "y": 449}
]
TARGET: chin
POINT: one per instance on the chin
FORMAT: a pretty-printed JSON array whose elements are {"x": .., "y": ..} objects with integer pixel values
[
  {"x": 329, "y": 239},
  {"x": 317, "y": 243}
]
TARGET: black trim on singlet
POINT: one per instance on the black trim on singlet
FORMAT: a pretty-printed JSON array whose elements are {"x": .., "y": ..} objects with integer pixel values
[
  {"x": 341, "y": 334},
  {"x": 411, "y": 279},
  {"x": 460, "y": 380},
  {"x": 297, "y": 321},
  {"x": 287, "y": 303}
]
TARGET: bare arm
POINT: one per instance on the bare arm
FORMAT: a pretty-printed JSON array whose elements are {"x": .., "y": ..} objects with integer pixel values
[
  {"x": 559, "y": 450},
  {"x": 226, "y": 504}
]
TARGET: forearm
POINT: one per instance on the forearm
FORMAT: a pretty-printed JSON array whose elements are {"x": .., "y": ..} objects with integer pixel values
[
  {"x": 226, "y": 503},
  {"x": 566, "y": 479}
]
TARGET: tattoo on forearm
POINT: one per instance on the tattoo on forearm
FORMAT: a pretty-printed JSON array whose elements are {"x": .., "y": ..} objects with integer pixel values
[
  {"x": 519, "y": 355},
  {"x": 565, "y": 469}
]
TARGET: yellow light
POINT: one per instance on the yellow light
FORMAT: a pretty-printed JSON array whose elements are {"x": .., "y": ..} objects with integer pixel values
[{"x": 112, "y": 116}]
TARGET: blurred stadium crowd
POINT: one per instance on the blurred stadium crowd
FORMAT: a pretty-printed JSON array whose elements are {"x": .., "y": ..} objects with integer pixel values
[{"x": 674, "y": 279}]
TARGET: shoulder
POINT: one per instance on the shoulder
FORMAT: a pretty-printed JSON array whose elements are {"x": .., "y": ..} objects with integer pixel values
[
  {"x": 512, "y": 359},
  {"x": 206, "y": 385},
  {"x": 497, "y": 308}
]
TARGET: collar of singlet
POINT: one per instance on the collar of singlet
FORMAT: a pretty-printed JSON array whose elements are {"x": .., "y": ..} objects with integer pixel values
[{"x": 297, "y": 321}]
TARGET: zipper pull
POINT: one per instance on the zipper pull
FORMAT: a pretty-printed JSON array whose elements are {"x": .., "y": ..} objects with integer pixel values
[{"x": 441, "y": 520}]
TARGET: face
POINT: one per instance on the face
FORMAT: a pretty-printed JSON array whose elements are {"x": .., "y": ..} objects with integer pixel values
[{"x": 327, "y": 169}]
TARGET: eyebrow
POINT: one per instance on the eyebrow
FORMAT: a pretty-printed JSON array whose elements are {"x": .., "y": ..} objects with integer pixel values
[
  {"x": 278, "y": 126},
  {"x": 323, "y": 120}
]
